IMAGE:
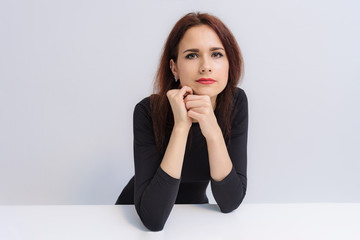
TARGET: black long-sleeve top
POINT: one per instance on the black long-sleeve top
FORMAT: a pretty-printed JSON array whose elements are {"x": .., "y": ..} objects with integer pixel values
[{"x": 156, "y": 191}]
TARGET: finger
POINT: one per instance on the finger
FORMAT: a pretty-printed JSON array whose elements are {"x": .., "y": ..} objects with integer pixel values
[
  {"x": 200, "y": 110},
  {"x": 194, "y": 115},
  {"x": 186, "y": 94},
  {"x": 198, "y": 103},
  {"x": 198, "y": 100},
  {"x": 185, "y": 91},
  {"x": 199, "y": 97},
  {"x": 171, "y": 93}
]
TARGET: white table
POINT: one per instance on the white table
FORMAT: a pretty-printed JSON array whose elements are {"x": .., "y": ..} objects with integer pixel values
[{"x": 250, "y": 221}]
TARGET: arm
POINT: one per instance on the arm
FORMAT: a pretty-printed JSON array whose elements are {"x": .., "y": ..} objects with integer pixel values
[
  {"x": 227, "y": 164},
  {"x": 157, "y": 178},
  {"x": 154, "y": 189},
  {"x": 219, "y": 159},
  {"x": 230, "y": 191},
  {"x": 174, "y": 154}
]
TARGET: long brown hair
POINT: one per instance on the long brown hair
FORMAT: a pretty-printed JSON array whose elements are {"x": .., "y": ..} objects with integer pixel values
[{"x": 161, "y": 112}]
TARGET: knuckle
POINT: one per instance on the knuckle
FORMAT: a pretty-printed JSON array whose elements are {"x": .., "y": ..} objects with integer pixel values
[{"x": 168, "y": 93}]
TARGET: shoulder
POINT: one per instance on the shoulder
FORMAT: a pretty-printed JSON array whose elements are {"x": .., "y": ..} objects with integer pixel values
[
  {"x": 147, "y": 102},
  {"x": 240, "y": 98},
  {"x": 144, "y": 104},
  {"x": 239, "y": 94},
  {"x": 240, "y": 109},
  {"x": 142, "y": 110}
]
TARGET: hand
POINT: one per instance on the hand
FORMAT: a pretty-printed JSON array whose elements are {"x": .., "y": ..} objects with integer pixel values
[
  {"x": 176, "y": 99},
  {"x": 199, "y": 107}
]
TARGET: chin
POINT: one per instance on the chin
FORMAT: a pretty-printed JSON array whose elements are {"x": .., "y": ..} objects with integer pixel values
[{"x": 210, "y": 93}]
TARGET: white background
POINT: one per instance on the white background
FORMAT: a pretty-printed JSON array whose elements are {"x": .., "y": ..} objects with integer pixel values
[{"x": 71, "y": 73}]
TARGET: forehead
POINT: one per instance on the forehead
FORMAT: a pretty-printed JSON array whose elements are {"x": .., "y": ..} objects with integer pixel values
[{"x": 201, "y": 36}]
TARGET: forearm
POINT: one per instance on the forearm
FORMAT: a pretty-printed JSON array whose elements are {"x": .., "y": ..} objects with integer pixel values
[
  {"x": 154, "y": 201},
  {"x": 226, "y": 185},
  {"x": 230, "y": 192},
  {"x": 157, "y": 200},
  {"x": 219, "y": 160},
  {"x": 174, "y": 155}
]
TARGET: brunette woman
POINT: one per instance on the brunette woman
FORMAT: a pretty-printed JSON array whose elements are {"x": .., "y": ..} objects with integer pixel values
[{"x": 193, "y": 129}]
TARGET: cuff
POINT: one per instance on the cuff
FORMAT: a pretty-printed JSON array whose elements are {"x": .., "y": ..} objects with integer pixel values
[
  {"x": 167, "y": 178},
  {"x": 228, "y": 178}
]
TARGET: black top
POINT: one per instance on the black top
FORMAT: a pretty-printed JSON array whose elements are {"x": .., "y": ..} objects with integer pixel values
[{"x": 156, "y": 191}]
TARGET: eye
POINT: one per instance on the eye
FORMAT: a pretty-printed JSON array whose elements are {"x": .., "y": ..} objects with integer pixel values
[
  {"x": 191, "y": 56},
  {"x": 217, "y": 54}
]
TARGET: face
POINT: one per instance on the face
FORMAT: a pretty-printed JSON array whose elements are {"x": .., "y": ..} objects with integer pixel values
[{"x": 202, "y": 63}]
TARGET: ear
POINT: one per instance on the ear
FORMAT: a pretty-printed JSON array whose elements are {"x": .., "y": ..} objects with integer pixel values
[{"x": 173, "y": 68}]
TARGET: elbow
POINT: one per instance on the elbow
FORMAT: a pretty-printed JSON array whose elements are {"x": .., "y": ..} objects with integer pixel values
[
  {"x": 154, "y": 226},
  {"x": 229, "y": 206},
  {"x": 228, "y": 209},
  {"x": 153, "y": 222}
]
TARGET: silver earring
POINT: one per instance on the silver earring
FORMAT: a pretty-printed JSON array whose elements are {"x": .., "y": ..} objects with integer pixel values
[{"x": 175, "y": 79}]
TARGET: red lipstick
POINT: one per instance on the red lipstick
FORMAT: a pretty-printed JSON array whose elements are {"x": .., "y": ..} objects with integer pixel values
[{"x": 206, "y": 81}]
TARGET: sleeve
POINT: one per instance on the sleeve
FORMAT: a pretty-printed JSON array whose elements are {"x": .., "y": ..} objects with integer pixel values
[
  {"x": 155, "y": 191},
  {"x": 230, "y": 191}
]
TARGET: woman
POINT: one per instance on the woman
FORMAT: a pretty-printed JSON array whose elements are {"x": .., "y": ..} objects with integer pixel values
[{"x": 194, "y": 128}]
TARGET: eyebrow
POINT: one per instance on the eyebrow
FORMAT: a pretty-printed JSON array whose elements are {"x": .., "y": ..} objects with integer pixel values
[{"x": 197, "y": 50}]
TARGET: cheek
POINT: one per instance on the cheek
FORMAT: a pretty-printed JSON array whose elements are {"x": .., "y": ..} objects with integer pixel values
[
  {"x": 186, "y": 70},
  {"x": 224, "y": 70}
]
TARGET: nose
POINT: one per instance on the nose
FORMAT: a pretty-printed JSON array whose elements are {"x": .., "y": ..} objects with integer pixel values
[{"x": 205, "y": 66}]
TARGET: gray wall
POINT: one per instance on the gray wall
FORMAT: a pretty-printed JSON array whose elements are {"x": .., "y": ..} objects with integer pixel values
[{"x": 71, "y": 73}]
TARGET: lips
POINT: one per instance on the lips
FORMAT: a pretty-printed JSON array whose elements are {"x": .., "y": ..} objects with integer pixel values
[{"x": 206, "y": 81}]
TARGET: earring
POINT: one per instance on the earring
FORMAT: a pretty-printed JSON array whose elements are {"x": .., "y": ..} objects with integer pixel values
[{"x": 174, "y": 75}]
